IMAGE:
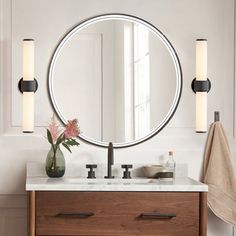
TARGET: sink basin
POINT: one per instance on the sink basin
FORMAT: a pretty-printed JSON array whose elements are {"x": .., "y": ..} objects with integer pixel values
[{"x": 110, "y": 181}]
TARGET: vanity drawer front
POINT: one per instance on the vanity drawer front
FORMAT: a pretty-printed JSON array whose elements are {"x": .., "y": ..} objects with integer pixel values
[{"x": 117, "y": 213}]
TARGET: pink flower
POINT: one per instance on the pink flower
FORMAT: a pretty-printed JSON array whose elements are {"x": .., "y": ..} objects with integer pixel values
[
  {"x": 54, "y": 129},
  {"x": 72, "y": 129}
]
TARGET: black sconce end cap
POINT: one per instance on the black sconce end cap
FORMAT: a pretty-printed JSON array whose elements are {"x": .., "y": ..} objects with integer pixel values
[
  {"x": 201, "y": 40},
  {"x": 28, "y": 39}
]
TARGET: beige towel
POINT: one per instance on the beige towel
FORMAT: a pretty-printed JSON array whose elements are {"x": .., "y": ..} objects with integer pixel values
[{"x": 219, "y": 174}]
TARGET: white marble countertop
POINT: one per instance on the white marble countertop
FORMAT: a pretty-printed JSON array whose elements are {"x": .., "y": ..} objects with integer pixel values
[{"x": 39, "y": 182}]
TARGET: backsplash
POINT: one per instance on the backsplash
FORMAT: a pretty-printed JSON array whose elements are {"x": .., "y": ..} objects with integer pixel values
[{"x": 80, "y": 171}]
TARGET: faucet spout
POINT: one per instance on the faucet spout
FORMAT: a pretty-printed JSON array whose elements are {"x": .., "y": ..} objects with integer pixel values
[
  {"x": 111, "y": 153},
  {"x": 110, "y": 161}
]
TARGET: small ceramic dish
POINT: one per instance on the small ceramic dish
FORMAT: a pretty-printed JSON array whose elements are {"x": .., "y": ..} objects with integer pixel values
[{"x": 165, "y": 176}]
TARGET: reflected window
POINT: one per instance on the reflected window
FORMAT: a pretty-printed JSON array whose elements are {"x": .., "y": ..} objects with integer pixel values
[
  {"x": 141, "y": 80},
  {"x": 136, "y": 81},
  {"x": 128, "y": 82}
]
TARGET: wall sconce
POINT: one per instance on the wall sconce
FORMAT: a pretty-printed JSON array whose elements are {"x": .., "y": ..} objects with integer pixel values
[
  {"x": 201, "y": 85},
  {"x": 28, "y": 85}
]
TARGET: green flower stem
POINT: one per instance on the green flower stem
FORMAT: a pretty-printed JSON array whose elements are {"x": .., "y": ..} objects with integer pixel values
[{"x": 54, "y": 160}]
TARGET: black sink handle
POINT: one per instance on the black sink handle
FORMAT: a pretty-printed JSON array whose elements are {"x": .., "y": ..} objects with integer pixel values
[
  {"x": 75, "y": 214},
  {"x": 127, "y": 174},
  {"x": 91, "y": 172}
]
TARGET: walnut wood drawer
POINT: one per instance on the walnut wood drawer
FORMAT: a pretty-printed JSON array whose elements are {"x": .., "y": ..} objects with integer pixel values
[{"x": 117, "y": 213}]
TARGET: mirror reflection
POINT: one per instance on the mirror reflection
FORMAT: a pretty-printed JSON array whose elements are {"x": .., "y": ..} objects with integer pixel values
[{"x": 118, "y": 78}]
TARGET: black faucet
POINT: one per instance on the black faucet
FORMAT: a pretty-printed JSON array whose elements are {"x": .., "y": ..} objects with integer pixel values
[{"x": 110, "y": 161}]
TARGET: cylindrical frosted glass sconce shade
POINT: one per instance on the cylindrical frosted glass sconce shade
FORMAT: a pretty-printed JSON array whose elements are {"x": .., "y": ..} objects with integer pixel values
[
  {"x": 28, "y": 75},
  {"x": 201, "y": 75},
  {"x": 28, "y": 112},
  {"x": 201, "y": 112},
  {"x": 201, "y": 59}
]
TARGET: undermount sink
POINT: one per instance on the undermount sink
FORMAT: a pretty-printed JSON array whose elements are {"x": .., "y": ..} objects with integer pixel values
[{"x": 110, "y": 181}]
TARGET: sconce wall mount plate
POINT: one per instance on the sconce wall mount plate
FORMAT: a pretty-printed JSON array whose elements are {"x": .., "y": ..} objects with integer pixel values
[
  {"x": 28, "y": 85},
  {"x": 201, "y": 85}
]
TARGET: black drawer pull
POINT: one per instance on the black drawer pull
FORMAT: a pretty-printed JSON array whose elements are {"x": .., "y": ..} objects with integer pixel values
[
  {"x": 156, "y": 216},
  {"x": 75, "y": 214}
]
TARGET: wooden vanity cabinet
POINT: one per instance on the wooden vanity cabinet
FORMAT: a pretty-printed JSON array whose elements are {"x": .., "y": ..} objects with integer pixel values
[{"x": 117, "y": 213}]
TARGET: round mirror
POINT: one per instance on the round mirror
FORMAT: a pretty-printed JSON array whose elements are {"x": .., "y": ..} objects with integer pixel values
[{"x": 119, "y": 75}]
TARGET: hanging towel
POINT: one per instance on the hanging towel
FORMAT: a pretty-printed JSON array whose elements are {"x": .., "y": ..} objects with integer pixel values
[{"x": 219, "y": 175}]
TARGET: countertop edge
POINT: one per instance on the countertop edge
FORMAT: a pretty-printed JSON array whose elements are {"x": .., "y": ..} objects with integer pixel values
[{"x": 189, "y": 185}]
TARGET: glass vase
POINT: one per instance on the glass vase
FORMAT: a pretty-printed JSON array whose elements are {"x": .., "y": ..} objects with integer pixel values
[{"x": 55, "y": 163}]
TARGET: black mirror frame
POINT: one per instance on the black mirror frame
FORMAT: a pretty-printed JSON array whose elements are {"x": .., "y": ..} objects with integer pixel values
[{"x": 155, "y": 31}]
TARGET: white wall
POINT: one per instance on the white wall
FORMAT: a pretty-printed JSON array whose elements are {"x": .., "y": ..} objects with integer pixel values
[{"x": 182, "y": 21}]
